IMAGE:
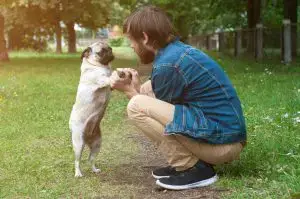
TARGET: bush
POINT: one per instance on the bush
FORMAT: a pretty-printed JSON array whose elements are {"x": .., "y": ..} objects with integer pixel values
[
  {"x": 116, "y": 42},
  {"x": 33, "y": 38}
]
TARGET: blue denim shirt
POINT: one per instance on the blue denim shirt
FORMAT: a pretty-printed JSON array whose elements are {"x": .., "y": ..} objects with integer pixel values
[{"x": 207, "y": 107}]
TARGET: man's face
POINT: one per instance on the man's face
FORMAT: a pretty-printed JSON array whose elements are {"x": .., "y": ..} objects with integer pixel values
[{"x": 145, "y": 55}]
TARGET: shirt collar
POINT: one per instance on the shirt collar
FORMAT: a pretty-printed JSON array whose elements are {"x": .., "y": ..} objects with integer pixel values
[{"x": 162, "y": 50}]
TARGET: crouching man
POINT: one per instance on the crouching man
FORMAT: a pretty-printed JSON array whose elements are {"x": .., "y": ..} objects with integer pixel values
[{"x": 189, "y": 109}]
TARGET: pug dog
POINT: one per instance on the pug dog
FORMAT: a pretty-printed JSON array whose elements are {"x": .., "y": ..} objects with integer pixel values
[{"x": 92, "y": 97}]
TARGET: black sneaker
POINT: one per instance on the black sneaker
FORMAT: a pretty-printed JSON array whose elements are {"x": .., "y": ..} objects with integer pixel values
[
  {"x": 165, "y": 172},
  {"x": 188, "y": 179}
]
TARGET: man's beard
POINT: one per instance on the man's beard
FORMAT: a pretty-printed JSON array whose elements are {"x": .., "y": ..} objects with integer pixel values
[{"x": 146, "y": 56}]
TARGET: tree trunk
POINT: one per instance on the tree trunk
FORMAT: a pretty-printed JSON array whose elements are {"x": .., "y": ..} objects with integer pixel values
[
  {"x": 254, "y": 17},
  {"x": 182, "y": 27},
  {"x": 290, "y": 12},
  {"x": 71, "y": 37},
  {"x": 3, "y": 51},
  {"x": 94, "y": 32},
  {"x": 58, "y": 36},
  {"x": 15, "y": 38}
]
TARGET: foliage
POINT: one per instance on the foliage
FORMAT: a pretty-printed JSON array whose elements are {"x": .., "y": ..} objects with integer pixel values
[
  {"x": 118, "y": 14},
  {"x": 273, "y": 13},
  {"x": 35, "y": 39},
  {"x": 198, "y": 16},
  {"x": 37, "y": 15},
  {"x": 116, "y": 42},
  {"x": 192, "y": 17}
]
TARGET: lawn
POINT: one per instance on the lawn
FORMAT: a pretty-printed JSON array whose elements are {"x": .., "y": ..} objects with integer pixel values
[{"x": 37, "y": 92}]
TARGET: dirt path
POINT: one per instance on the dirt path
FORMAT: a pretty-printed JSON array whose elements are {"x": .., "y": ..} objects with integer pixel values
[{"x": 139, "y": 174}]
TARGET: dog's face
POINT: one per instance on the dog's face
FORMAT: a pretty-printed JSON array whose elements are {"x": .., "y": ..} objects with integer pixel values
[{"x": 99, "y": 53}]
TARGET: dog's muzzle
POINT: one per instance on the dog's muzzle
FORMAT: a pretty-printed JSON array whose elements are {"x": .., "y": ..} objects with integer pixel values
[{"x": 106, "y": 55}]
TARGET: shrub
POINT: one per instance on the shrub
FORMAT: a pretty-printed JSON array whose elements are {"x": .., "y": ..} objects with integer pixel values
[{"x": 116, "y": 42}]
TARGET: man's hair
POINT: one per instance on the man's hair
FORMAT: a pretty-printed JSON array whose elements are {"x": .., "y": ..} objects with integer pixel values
[{"x": 154, "y": 22}]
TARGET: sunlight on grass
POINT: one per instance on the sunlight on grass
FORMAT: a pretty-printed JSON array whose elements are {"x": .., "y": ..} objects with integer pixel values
[
  {"x": 120, "y": 52},
  {"x": 36, "y": 99}
]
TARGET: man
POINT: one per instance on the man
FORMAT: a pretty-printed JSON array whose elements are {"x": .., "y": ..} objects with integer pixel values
[{"x": 195, "y": 118}]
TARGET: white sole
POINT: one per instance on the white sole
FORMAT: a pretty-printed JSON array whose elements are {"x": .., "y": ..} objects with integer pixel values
[
  {"x": 202, "y": 183},
  {"x": 159, "y": 177}
]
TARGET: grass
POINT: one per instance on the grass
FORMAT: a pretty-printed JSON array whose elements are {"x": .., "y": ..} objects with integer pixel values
[
  {"x": 36, "y": 95},
  {"x": 270, "y": 165}
]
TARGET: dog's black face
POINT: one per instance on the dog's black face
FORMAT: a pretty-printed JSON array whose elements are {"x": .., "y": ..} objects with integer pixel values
[{"x": 99, "y": 52}]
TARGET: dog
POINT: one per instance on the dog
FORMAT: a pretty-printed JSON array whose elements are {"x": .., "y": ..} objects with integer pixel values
[{"x": 92, "y": 97}]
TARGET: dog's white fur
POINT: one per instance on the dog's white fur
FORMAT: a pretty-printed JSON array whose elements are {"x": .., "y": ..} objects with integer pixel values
[{"x": 91, "y": 100}]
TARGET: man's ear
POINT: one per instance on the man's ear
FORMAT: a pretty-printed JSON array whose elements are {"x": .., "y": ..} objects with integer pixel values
[
  {"x": 146, "y": 38},
  {"x": 86, "y": 53}
]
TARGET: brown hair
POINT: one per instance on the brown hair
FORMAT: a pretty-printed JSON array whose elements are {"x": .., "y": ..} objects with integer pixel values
[{"x": 154, "y": 22}]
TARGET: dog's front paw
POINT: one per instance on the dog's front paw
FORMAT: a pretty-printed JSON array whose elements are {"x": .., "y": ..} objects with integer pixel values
[
  {"x": 95, "y": 170},
  {"x": 78, "y": 174}
]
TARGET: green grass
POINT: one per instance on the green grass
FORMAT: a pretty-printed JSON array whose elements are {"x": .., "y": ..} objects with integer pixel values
[
  {"x": 270, "y": 95},
  {"x": 37, "y": 92},
  {"x": 36, "y": 97}
]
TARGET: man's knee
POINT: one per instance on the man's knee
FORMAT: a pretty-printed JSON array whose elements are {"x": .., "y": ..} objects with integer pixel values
[{"x": 133, "y": 107}]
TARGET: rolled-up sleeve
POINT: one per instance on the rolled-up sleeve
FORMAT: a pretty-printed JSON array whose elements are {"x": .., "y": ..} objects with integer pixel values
[{"x": 168, "y": 84}]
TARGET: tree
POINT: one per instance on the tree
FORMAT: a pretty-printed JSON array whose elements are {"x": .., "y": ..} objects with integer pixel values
[
  {"x": 227, "y": 14},
  {"x": 198, "y": 16},
  {"x": 118, "y": 13},
  {"x": 254, "y": 18},
  {"x": 290, "y": 12},
  {"x": 3, "y": 51},
  {"x": 90, "y": 14},
  {"x": 254, "y": 13},
  {"x": 23, "y": 14},
  {"x": 22, "y": 18},
  {"x": 272, "y": 13},
  {"x": 58, "y": 33}
]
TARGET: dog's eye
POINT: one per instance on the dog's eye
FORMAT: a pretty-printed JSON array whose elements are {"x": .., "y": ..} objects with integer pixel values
[
  {"x": 99, "y": 53},
  {"x": 102, "y": 52}
]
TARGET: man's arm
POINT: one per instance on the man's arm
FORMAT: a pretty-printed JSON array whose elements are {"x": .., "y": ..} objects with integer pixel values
[
  {"x": 168, "y": 84},
  {"x": 146, "y": 89}
]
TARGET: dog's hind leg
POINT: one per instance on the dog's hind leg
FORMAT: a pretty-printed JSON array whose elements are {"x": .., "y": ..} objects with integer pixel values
[
  {"x": 94, "y": 146},
  {"x": 78, "y": 145}
]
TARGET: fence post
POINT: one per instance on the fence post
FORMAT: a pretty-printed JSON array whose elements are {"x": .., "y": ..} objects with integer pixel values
[
  {"x": 208, "y": 42},
  {"x": 221, "y": 41},
  {"x": 259, "y": 42},
  {"x": 238, "y": 42},
  {"x": 287, "y": 41},
  {"x": 189, "y": 40}
]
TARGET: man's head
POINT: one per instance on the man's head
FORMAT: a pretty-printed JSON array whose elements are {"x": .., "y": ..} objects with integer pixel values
[
  {"x": 149, "y": 29},
  {"x": 98, "y": 53}
]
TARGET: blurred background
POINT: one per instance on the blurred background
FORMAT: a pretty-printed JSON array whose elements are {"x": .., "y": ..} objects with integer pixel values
[{"x": 256, "y": 28}]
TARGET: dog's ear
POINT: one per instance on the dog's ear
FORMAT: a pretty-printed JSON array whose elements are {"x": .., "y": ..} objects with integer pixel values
[{"x": 86, "y": 52}]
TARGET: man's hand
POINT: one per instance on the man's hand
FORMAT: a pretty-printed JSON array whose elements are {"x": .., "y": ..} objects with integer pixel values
[
  {"x": 135, "y": 78},
  {"x": 129, "y": 85},
  {"x": 118, "y": 83}
]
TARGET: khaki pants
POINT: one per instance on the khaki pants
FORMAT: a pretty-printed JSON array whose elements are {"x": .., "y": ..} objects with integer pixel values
[{"x": 151, "y": 115}]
